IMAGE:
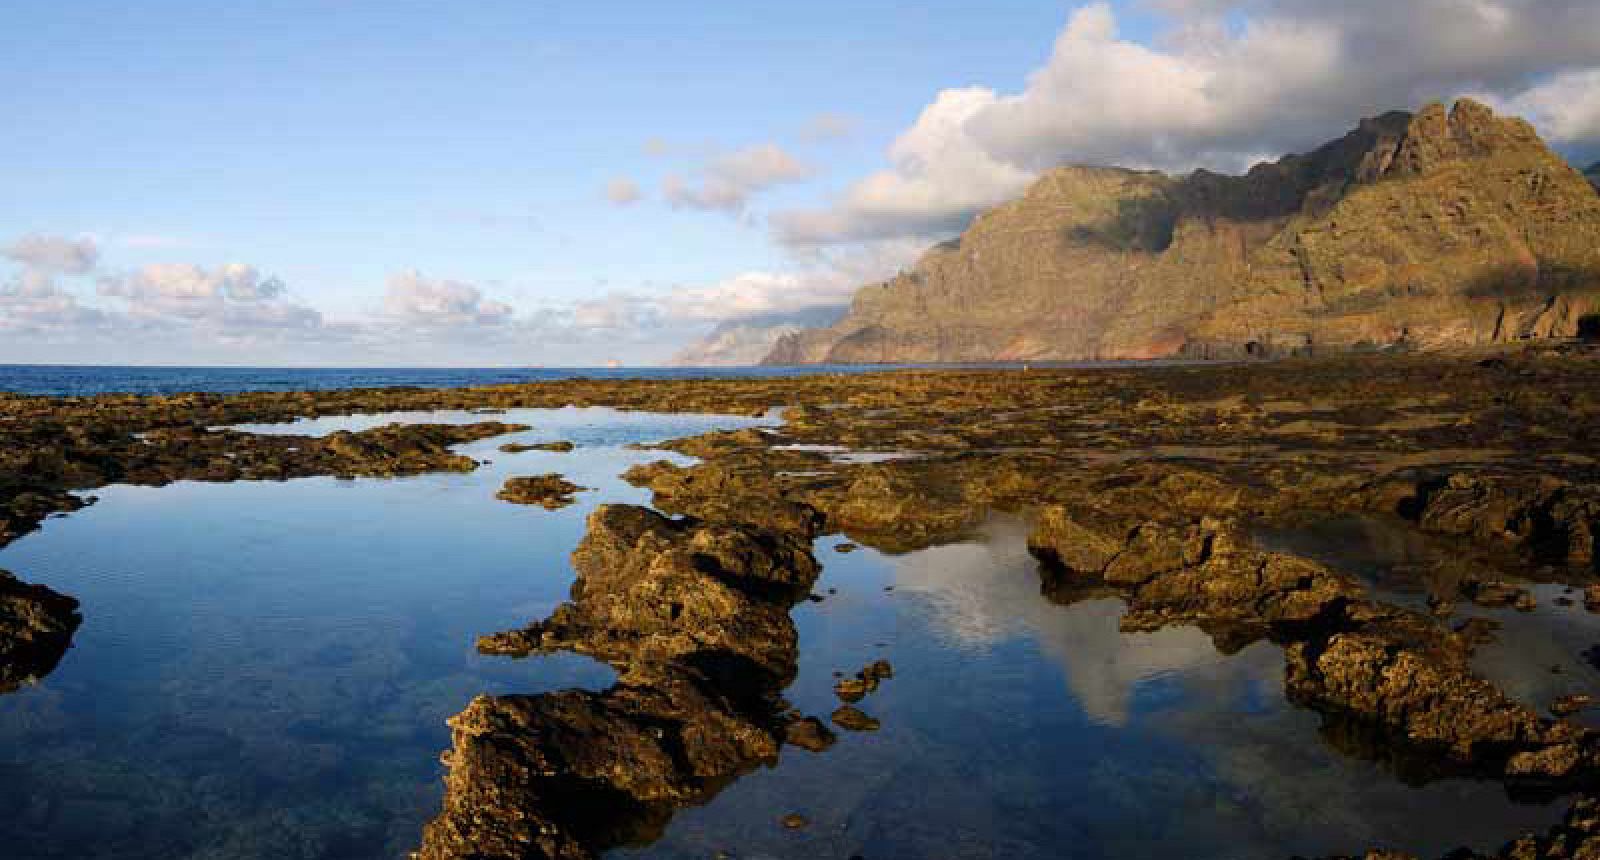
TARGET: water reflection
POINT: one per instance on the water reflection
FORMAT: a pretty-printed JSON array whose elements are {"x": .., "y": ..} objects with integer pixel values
[
  {"x": 1535, "y": 656},
  {"x": 264, "y": 669},
  {"x": 1018, "y": 727}
]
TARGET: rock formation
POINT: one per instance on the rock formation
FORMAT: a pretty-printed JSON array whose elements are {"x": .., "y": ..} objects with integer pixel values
[
  {"x": 36, "y": 626},
  {"x": 1428, "y": 230},
  {"x": 695, "y": 617},
  {"x": 550, "y": 492}
]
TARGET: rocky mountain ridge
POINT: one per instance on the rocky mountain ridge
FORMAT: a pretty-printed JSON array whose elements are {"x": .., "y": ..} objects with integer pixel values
[{"x": 1445, "y": 227}]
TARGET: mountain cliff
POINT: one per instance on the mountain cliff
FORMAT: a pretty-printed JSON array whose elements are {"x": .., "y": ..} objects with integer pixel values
[
  {"x": 743, "y": 342},
  {"x": 1422, "y": 230}
]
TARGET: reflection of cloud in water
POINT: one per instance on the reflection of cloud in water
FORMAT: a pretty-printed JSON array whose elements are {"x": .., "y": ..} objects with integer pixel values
[
  {"x": 1270, "y": 786},
  {"x": 985, "y": 592}
]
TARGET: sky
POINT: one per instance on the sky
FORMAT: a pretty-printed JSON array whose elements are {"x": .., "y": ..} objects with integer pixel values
[{"x": 572, "y": 183}]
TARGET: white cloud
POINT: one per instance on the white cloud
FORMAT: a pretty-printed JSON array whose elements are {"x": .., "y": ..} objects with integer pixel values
[
  {"x": 1566, "y": 108},
  {"x": 416, "y": 300},
  {"x": 623, "y": 191},
  {"x": 230, "y": 296},
  {"x": 46, "y": 253},
  {"x": 32, "y": 303},
  {"x": 1227, "y": 80},
  {"x": 728, "y": 182},
  {"x": 940, "y": 175}
]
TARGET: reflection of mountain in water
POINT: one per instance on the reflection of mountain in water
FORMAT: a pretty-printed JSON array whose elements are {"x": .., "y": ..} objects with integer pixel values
[{"x": 36, "y": 627}]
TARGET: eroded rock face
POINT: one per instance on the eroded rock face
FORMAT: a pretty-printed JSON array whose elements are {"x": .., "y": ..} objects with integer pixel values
[
  {"x": 1447, "y": 227},
  {"x": 36, "y": 627},
  {"x": 695, "y": 616},
  {"x": 1549, "y": 518}
]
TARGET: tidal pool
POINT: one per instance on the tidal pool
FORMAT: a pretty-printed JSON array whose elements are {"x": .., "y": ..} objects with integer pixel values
[{"x": 265, "y": 670}]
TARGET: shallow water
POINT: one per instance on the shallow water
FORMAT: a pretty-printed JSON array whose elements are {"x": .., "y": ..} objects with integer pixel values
[
  {"x": 265, "y": 669},
  {"x": 1536, "y": 656}
]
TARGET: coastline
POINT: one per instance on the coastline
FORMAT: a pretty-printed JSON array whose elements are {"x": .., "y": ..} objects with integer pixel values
[{"x": 1139, "y": 482}]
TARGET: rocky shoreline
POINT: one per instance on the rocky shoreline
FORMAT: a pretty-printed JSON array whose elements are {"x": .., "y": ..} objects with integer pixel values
[{"x": 1143, "y": 483}]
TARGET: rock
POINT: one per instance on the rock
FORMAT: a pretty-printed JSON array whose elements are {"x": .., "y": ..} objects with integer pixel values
[
  {"x": 1571, "y": 703},
  {"x": 36, "y": 627},
  {"x": 695, "y": 618},
  {"x": 520, "y": 448},
  {"x": 809, "y": 734},
  {"x": 1496, "y": 595},
  {"x": 794, "y": 821},
  {"x": 1360, "y": 243},
  {"x": 845, "y": 547},
  {"x": 548, "y": 491},
  {"x": 851, "y": 719}
]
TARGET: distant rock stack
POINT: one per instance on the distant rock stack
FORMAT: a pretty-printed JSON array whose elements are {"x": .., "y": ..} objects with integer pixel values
[{"x": 1443, "y": 228}]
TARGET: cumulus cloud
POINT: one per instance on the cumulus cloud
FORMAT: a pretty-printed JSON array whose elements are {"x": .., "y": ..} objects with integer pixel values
[
  {"x": 1566, "y": 108},
  {"x": 424, "y": 302},
  {"x": 43, "y": 253},
  {"x": 233, "y": 295},
  {"x": 1229, "y": 79},
  {"x": 727, "y": 182},
  {"x": 939, "y": 176},
  {"x": 32, "y": 303},
  {"x": 623, "y": 191}
]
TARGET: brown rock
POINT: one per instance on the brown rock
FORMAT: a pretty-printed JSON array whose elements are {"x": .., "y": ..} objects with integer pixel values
[{"x": 548, "y": 491}]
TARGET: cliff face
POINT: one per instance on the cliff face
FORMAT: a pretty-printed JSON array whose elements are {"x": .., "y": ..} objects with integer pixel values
[
  {"x": 743, "y": 342},
  {"x": 1427, "y": 230}
]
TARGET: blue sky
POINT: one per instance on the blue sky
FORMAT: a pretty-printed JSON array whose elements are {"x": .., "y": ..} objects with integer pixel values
[{"x": 442, "y": 169}]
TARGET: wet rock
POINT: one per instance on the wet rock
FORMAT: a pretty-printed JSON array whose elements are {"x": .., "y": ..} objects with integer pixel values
[
  {"x": 548, "y": 491},
  {"x": 695, "y": 616},
  {"x": 1497, "y": 595},
  {"x": 794, "y": 821},
  {"x": 1550, "y": 518},
  {"x": 845, "y": 547},
  {"x": 1571, "y": 703},
  {"x": 520, "y": 448},
  {"x": 36, "y": 627},
  {"x": 852, "y": 719},
  {"x": 809, "y": 734}
]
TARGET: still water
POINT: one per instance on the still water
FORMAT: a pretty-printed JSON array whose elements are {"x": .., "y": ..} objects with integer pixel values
[{"x": 265, "y": 669}]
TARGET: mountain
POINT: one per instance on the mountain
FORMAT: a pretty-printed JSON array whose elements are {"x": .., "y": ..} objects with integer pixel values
[
  {"x": 743, "y": 342},
  {"x": 1425, "y": 230}
]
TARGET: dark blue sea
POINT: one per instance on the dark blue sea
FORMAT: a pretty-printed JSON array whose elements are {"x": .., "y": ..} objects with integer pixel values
[{"x": 71, "y": 380}]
